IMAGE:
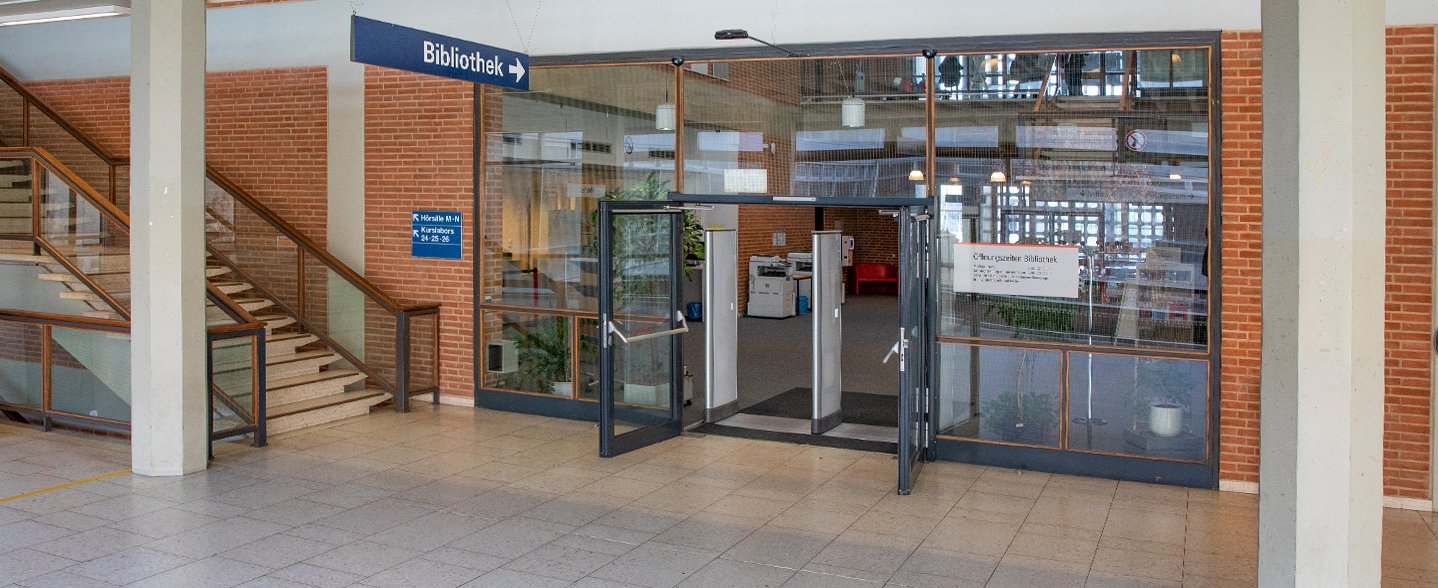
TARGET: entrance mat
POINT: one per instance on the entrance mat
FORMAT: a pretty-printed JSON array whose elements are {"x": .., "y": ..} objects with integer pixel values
[
  {"x": 818, "y": 440},
  {"x": 857, "y": 407}
]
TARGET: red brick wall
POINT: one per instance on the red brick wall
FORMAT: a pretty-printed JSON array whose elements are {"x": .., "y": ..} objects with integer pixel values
[
  {"x": 1409, "y": 294},
  {"x": 419, "y": 155},
  {"x": 265, "y": 129},
  {"x": 1242, "y": 257},
  {"x": 876, "y": 236}
]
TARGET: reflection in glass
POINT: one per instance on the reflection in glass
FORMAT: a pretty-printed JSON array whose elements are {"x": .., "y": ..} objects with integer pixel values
[
  {"x": 90, "y": 373},
  {"x": 823, "y": 127},
  {"x": 577, "y": 136},
  {"x": 1103, "y": 151},
  {"x": 20, "y": 371},
  {"x": 999, "y": 394},
  {"x": 1144, "y": 406},
  {"x": 528, "y": 353}
]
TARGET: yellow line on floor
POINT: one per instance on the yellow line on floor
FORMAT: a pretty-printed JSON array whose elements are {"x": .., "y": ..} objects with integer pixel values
[{"x": 65, "y": 485}]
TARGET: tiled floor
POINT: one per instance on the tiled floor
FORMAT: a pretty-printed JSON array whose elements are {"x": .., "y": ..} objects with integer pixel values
[{"x": 453, "y": 496}]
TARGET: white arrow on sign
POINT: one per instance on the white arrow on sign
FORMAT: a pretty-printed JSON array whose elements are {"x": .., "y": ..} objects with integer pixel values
[
  {"x": 517, "y": 70},
  {"x": 413, "y": 217},
  {"x": 416, "y": 232}
]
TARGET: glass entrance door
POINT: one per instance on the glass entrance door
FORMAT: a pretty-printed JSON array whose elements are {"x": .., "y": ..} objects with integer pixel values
[
  {"x": 916, "y": 399},
  {"x": 640, "y": 374}
]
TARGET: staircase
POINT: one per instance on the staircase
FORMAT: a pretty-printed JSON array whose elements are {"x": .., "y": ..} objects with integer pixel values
[{"x": 80, "y": 254}]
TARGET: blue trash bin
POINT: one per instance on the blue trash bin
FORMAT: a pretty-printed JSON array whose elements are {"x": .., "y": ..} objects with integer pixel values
[
  {"x": 803, "y": 305},
  {"x": 694, "y": 311}
]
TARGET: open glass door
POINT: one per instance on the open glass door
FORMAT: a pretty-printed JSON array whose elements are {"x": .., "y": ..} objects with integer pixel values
[
  {"x": 916, "y": 433},
  {"x": 640, "y": 374}
]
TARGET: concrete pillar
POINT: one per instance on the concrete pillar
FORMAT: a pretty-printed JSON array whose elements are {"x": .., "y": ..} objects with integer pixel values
[
  {"x": 167, "y": 242},
  {"x": 1320, "y": 479}
]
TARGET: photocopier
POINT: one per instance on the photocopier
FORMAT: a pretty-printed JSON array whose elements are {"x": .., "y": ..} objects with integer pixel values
[
  {"x": 801, "y": 266},
  {"x": 772, "y": 291}
]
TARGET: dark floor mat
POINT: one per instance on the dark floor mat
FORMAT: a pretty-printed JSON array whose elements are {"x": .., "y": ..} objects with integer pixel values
[
  {"x": 856, "y": 407},
  {"x": 819, "y": 440}
]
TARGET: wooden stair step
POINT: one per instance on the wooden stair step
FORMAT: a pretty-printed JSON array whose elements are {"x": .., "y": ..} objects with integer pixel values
[
  {"x": 24, "y": 258},
  {"x": 301, "y": 387},
  {"x": 284, "y": 343},
  {"x": 275, "y": 321},
  {"x": 230, "y": 286},
  {"x": 322, "y": 410},
  {"x": 282, "y": 367},
  {"x": 216, "y": 270}
]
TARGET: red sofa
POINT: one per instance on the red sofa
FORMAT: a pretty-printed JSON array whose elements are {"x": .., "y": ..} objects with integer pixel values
[{"x": 884, "y": 274}]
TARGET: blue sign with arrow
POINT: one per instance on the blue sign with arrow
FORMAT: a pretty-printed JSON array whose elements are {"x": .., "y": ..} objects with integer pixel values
[
  {"x": 436, "y": 234},
  {"x": 390, "y": 45}
]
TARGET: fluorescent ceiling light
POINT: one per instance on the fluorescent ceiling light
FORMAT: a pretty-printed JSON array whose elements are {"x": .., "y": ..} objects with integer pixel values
[{"x": 42, "y": 11}]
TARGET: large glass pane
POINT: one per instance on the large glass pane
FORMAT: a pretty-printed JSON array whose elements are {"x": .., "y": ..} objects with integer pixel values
[
  {"x": 528, "y": 353},
  {"x": 15, "y": 194},
  {"x": 1143, "y": 406},
  {"x": 1006, "y": 394},
  {"x": 823, "y": 128},
  {"x": 233, "y": 379},
  {"x": 1073, "y": 150},
  {"x": 12, "y": 117},
  {"x": 266, "y": 258},
  {"x": 90, "y": 373},
  {"x": 87, "y": 238},
  {"x": 578, "y": 135},
  {"x": 66, "y": 148},
  {"x": 20, "y": 370}
]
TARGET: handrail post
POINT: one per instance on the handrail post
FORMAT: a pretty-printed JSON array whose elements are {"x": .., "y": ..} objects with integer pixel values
[
  {"x": 210, "y": 396},
  {"x": 24, "y": 122},
  {"x": 260, "y": 388},
  {"x": 401, "y": 362},
  {"x": 47, "y": 378}
]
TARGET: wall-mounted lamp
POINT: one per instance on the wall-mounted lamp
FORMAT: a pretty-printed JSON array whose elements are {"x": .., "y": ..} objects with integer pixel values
[
  {"x": 851, "y": 112},
  {"x": 732, "y": 34}
]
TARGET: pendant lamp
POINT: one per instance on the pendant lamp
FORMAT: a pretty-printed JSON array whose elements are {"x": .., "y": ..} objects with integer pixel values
[{"x": 851, "y": 112}]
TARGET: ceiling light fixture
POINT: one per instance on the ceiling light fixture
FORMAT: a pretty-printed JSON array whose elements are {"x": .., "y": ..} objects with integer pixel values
[
  {"x": 917, "y": 175},
  {"x": 998, "y": 177},
  {"x": 1175, "y": 176},
  {"x": 19, "y": 14}
]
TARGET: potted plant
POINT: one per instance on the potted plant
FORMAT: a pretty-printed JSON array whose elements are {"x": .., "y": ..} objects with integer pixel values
[
  {"x": 1161, "y": 396},
  {"x": 1014, "y": 416},
  {"x": 542, "y": 358}
]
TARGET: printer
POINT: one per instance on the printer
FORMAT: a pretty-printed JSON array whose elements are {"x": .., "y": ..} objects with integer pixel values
[
  {"x": 772, "y": 293},
  {"x": 801, "y": 267}
]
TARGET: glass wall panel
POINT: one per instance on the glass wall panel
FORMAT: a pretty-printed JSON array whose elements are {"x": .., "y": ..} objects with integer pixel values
[
  {"x": 528, "y": 353},
  {"x": 21, "y": 378},
  {"x": 821, "y": 127},
  {"x": 578, "y": 135},
  {"x": 1006, "y": 394},
  {"x": 1103, "y": 152},
  {"x": 1142, "y": 406},
  {"x": 90, "y": 373}
]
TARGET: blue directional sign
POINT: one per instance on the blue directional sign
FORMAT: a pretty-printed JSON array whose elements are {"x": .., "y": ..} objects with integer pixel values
[
  {"x": 436, "y": 234},
  {"x": 390, "y": 45}
]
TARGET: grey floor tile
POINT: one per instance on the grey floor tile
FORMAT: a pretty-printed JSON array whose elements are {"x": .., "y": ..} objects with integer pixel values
[
  {"x": 272, "y": 582},
  {"x": 319, "y": 577},
  {"x": 728, "y": 573},
  {"x": 431, "y": 530},
  {"x": 296, "y": 511},
  {"x": 778, "y": 546},
  {"x": 653, "y": 566},
  {"x": 806, "y": 579},
  {"x": 708, "y": 531},
  {"x": 211, "y": 572},
  {"x": 423, "y": 572},
  {"x": 63, "y": 579},
  {"x": 123, "y": 507},
  {"x": 25, "y": 533},
  {"x": 72, "y": 520},
  {"x": 23, "y": 564},
  {"x": 511, "y": 538},
  {"x": 951, "y": 564},
  {"x": 130, "y": 565},
  {"x": 363, "y": 558},
  {"x": 202, "y": 542},
  {"x": 1023, "y": 572},
  {"x": 869, "y": 552},
  {"x": 564, "y": 563},
  {"x": 91, "y": 544},
  {"x": 376, "y": 516},
  {"x": 467, "y": 559},
  {"x": 503, "y": 578},
  {"x": 277, "y": 551}
]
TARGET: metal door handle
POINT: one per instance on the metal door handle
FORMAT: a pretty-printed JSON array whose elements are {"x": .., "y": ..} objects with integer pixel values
[
  {"x": 893, "y": 350},
  {"x": 683, "y": 328}
]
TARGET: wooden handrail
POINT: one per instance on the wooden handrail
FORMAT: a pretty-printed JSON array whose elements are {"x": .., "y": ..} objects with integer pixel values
[
  {"x": 309, "y": 246},
  {"x": 77, "y": 184},
  {"x": 65, "y": 320},
  {"x": 57, "y": 119}
]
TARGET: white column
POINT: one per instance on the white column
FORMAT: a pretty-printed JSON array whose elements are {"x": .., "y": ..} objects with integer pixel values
[
  {"x": 167, "y": 242},
  {"x": 1320, "y": 479}
]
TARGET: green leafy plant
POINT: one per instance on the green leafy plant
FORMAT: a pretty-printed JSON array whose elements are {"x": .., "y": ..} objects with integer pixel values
[
  {"x": 1012, "y": 417},
  {"x": 649, "y": 189},
  {"x": 542, "y": 356}
]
